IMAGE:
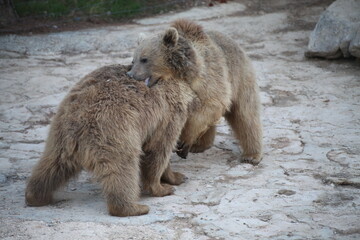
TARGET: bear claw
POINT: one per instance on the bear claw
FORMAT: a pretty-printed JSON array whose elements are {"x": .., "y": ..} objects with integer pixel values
[{"x": 252, "y": 159}]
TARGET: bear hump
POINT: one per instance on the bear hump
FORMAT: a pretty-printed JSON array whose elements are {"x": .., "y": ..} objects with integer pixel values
[{"x": 189, "y": 29}]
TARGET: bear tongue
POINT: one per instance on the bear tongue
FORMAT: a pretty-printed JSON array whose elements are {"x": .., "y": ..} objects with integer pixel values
[{"x": 147, "y": 80}]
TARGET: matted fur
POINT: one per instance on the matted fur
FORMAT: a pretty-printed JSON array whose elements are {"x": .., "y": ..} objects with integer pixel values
[
  {"x": 220, "y": 74},
  {"x": 118, "y": 129}
]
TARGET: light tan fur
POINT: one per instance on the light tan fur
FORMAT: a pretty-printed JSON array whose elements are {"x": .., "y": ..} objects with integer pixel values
[
  {"x": 121, "y": 131},
  {"x": 219, "y": 72}
]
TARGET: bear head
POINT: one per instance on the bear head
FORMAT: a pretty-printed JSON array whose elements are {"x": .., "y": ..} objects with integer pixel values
[{"x": 165, "y": 56}]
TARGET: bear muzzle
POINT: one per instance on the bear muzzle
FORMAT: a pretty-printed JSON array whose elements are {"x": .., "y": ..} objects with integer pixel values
[{"x": 149, "y": 81}]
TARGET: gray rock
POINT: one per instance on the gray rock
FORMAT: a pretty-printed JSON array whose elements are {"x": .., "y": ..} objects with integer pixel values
[
  {"x": 337, "y": 33},
  {"x": 354, "y": 47}
]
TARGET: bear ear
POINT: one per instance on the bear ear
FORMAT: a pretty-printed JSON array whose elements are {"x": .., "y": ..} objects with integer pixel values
[
  {"x": 141, "y": 37},
  {"x": 171, "y": 37}
]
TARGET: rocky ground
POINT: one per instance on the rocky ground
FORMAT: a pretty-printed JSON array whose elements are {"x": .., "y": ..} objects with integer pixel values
[{"x": 306, "y": 187}]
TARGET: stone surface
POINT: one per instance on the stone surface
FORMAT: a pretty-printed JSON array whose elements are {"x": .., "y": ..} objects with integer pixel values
[
  {"x": 3, "y": 178},
  {"x": 354, "y": 47},
  {"x": 337, "y": 33},
  {"x": 306, "y": 187}
]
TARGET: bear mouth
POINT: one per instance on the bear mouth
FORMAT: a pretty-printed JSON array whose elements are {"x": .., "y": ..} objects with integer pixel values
[{"x": 150, "y": 81}]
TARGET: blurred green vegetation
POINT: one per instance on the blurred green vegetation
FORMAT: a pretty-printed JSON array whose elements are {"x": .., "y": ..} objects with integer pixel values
[{"x": 81, "y": 8}]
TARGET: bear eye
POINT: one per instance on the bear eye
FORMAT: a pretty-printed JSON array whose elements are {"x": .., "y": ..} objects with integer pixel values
[{"x": 143, "y": 60}]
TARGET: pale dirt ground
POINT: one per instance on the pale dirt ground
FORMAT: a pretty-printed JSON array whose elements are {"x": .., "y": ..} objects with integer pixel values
[{"x": 306, "y": 187}]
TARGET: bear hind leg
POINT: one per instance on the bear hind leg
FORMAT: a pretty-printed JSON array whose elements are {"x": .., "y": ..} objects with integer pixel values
[
  {"x": 247, "y": 128},
  {"x": 48, "y": 175}
]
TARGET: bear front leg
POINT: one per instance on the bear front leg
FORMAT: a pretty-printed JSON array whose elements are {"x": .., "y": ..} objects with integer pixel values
[
  {"x": 153, "y": 166},
  {"x": 155, "y": 163},
  {"x": 118, "y": 171}
]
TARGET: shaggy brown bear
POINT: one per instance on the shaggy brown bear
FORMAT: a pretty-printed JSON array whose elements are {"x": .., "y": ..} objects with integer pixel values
[
  {"x": 219, "y": 72},
  {"x": 118, "y": 129}
]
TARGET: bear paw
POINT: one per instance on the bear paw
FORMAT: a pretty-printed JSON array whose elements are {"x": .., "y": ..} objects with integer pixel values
[
  {"x": 182, "y": 150},
  {"x": 33, "y": 201},
  {"x": 176, "y": 178},
  {"x": 197, "y": 148},
  {"x": 163, "y": 190},
  {"x": 253, "y": 159},
  {"x": 128, "y": 210}
]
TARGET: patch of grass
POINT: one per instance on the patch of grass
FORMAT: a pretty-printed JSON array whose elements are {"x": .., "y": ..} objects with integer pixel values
[
  {"x": 76, "y": 8},
  {"x": 27, "y": 8}
]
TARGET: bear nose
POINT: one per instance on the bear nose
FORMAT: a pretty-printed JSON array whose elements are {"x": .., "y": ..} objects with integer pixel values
[{"x": 130, "y": 74}]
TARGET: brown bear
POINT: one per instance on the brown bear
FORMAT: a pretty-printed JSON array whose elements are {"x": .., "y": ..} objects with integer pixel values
[
  {"x": 118, "y": 129},
  {"x": 219, "y": 72}
]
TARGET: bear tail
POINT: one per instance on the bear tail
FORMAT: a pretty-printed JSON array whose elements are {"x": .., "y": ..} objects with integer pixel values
[{"x": 189, "y": 30}]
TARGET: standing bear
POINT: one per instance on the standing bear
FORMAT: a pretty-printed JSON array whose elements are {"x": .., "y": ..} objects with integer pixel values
[
  {"x": 221, "y": 75},
  {"x": 118, "y": 129}
]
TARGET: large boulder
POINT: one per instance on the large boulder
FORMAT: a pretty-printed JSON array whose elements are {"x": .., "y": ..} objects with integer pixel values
[{"x": 337, "y": 33}]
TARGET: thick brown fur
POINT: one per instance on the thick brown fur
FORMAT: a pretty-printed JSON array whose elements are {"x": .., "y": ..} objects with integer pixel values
[
  {"x": 190, "y": 30},
  {"x": 221, "y": 75},
  {"x": 121, "y": 131}
]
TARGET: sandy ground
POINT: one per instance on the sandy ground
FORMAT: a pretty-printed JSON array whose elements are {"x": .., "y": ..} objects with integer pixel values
[{"x": 306, "y": 187}]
